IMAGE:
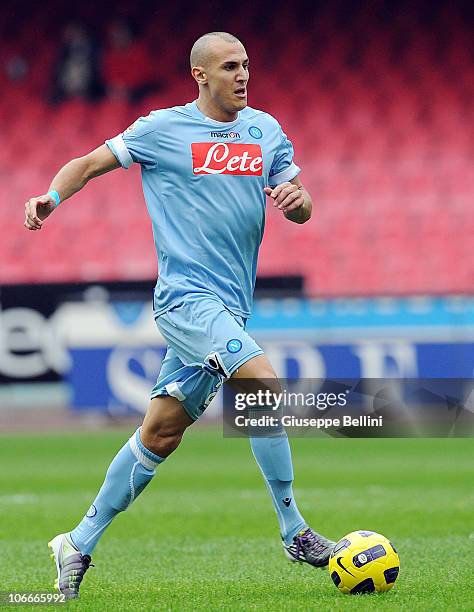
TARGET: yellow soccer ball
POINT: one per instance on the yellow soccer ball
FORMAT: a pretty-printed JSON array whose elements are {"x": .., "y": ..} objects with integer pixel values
[{"x": 364, "y": 562}]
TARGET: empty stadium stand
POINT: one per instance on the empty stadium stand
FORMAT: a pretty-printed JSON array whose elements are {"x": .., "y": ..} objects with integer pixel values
[{"x": 379, "y": 102}]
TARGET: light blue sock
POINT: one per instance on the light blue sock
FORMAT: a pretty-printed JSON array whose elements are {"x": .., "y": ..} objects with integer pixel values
[
  {"x": 273, "y": 456},
  {"x": 130, "y": 471}
]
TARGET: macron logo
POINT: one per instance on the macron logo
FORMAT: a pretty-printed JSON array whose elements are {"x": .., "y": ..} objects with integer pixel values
[
  {"x": 223, "y": 135},
  {"x": 223, "y": 158}
]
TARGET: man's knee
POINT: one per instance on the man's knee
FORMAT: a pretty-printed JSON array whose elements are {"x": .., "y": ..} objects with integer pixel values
[
  {"x": 164, "y": 425},
  {"x": 161, "y": 445},
  {"x": 265, "y": 383},
  {"x": 161, "y": 438}
]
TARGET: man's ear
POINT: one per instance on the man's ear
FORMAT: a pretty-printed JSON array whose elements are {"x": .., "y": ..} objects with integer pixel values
[{"x": 199, "y": 75}]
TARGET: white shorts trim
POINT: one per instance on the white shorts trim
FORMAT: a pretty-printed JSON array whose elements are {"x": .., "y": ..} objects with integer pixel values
[{"x": 173, "y": 390}]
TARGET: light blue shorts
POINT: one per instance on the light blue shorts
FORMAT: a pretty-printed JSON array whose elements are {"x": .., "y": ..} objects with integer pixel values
[{"x": 206, "y": 344}]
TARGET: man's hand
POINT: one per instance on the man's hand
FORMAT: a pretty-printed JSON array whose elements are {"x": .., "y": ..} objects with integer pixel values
[
  {"x": 70, "y": 179},
  {"x": 37, "y": 210},
  {"x": 286, "y": 196},
  {"x": 292, "y": 199}
]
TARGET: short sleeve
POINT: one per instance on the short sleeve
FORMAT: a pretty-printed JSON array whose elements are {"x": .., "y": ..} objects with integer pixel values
[
  {"x": 137, "y": 144},
  {"x": 283, "y": 167}
]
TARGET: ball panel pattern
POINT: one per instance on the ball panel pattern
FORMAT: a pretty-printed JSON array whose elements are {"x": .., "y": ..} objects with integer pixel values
[{"x": 362, "y": 562}]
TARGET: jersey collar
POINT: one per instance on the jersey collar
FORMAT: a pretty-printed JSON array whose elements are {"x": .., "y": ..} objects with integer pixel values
[{"x": 222, "y": 124}]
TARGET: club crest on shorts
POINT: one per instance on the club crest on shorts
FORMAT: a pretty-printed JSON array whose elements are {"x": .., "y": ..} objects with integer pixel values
[{"x": 234, "y": 345}]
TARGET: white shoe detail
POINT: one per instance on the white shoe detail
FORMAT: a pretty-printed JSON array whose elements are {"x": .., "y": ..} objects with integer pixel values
[{"x": 61, "y": 548}]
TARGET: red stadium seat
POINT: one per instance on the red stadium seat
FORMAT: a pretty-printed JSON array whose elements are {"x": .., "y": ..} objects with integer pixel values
[{"x": 379, "y": 116}]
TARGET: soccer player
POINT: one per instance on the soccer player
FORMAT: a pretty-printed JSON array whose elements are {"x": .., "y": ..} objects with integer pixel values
[{"x": 206, "y": 167}]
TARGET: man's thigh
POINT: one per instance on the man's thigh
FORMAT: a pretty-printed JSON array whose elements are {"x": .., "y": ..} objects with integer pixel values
[
  {"x": 165, "y": 417},
  {"x": 256, "y": 367},
  {"x": 256, "y": 374}
]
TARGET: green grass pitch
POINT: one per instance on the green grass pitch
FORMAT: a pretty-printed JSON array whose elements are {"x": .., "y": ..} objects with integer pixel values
[{"x": 203, "y": 535}]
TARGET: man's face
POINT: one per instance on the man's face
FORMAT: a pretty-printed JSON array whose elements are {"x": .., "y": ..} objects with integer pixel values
[{"x": 227, "y": 73}]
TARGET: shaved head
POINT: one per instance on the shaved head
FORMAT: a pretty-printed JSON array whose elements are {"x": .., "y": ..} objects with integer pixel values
[
  {"x": 203, "y": 48},
  {"x": 220, "y": 67}
]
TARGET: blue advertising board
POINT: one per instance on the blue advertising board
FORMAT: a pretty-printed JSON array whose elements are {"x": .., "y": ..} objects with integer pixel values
[{"x": 115, "y": 357}]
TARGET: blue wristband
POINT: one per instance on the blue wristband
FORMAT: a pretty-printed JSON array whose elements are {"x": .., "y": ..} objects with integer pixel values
[{"x": 55, "y": 195}]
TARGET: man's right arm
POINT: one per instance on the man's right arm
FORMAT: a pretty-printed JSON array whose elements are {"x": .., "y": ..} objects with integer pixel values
[{"x": 71, "y": 178}]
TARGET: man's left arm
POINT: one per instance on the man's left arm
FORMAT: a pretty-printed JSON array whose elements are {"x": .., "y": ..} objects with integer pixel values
[{"x": 292, "y": 199}]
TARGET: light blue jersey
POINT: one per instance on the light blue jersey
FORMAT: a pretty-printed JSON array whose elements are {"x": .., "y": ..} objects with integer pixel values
[{"x": 203, "y": 183}]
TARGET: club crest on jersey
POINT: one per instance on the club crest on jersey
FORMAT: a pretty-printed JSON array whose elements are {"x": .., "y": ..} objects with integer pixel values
[
  {"x": 227, "y": 158},
  {"x": 255, "y": 132}
]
